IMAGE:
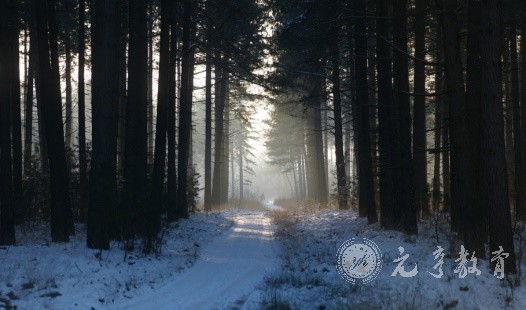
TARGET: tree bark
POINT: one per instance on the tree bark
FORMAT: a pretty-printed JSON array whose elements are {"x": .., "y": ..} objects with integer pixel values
[
  {"x": 419, "y": 112},
  {"x": 341, "y": 179},
  {"x": 494, "y": 189},
  {"x": 367, "y": 205},
  {"x": 208, "y": 132},
  {"x": 61, "y": 216},
  {"x": 185, "y": 110},
  {"x": 386, "y": 142},
  {"x": 134, "y": 201},
  {"x": 474, "y": 214},
  {"x": 159, "y": 161},
  {"x": 8, "y": 56},
  {"x": 105, "y": 98},
  {"x": 456, "y": 108},
  {"x": 171, "y": 126},
  {"x": 69, "y": 100},
  {"x": 83, "y": 165}
]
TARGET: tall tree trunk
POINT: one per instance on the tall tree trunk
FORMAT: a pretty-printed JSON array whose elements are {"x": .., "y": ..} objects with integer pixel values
[
  {"x": 61, "y": 216},
  {"x": 406, "y": 205},
  {"x": 83, "y": 165},
  {"x": 367, "y": 205},
  {"x": 386, "y": 141},
  {"x": 474, "y": 214},
  {"x": 149, "y": 78},
  {"x": 338, "y": 130},
  {"x": 170, "y": 127},
  {"x": 121, "y": 131},
  {"x": 16, "y": 121},
  {"x": 159, "y": 162},
  {"x": 494, "y": 189},
  {"x": 185, "y": 110},
  {"x": 521, "y": 213},
  {"x": 208, "y": 132},
  {"x": 519, "y": 178},
  {"x": 508, "y": 122},
  {"x": 8, "y": 63},
  {"x": 134, "y": 209},
  {"x": 439, "y": 123},
  {"x": 241, "y": 179},
  {"x": 69, "y": 100},
  {"x": 217, "y": 186},
  {"x": 314, "y": 159},
  {"x": 223, "y": 195},
  {"x": 456, "y": 108},
  {"x": 28, "y": 110},
  {"x": 419, "y": 112},
  {"x": 104, "y": 101}
]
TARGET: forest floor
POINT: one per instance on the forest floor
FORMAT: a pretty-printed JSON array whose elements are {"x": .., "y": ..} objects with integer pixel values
[
  {"x": 249, "y": 259},
  {"x": 209, "y": 261},
  {"x": 308, "y": 278}
]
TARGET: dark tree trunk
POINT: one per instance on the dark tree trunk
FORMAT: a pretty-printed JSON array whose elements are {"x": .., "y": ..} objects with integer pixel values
[
  {"x": 401, "y": 81},
  {"x": 83, "y": 165},
  {"x": 61, "y": 216},
  {"x": 69, "y": 100},
  {"x": 16, "y": 121},
  {"x": 341, "y": 179},
  {"x": 185, "y": 111},
  {"x": 134, "y": 211},
  {"x": 446, "y": 155},
  {"x": 149, "y": 78},
  {"x": 121, "y": 131},
  {"x": 522, "y": 143},
  {"x": 208, "y": 132},
  {"x": 159, "y": 161},
  {"x": 9, "y": 64},
  {"x": 225, "y": 147},
  {"x": 439, "y": 122},
  {"x": 474, "y": 213},
  {"x": 454, "y": 81},
  {"x": 28, "y": 111},
  {"x": 170, "y": 127},
  {"x": 419, "y": 112},
  {"x": 217, "y": 186},
  {"x": 494, "y": 189},
  {"x": 519, "y": 178},
  {"x": 367, "y": 205},
  {"x": 508, "y": 122},
  {"x": 386, "y": 141},
  {"x": 105, "y": 98}
]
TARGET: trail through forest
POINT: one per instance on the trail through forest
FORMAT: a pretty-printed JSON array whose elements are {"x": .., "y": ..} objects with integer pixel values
[{"x": 227, "y": 272}]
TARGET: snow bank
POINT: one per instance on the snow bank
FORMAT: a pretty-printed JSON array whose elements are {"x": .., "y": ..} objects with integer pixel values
[
  {"x": 308, "y": 278},
  {"x": 38, "y": 274}
]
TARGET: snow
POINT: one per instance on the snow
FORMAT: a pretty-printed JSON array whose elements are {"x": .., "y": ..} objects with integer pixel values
[
  {"x": 75, "y": 277},
  {"x": 226, "y": 272},
  {"x": 308, "y": 278},
  {"x": 241, "y": 259}
]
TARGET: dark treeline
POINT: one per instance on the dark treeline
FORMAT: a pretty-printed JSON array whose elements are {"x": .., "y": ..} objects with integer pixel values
[
  {"x": 127, "y": 166},
  {"x": 419, "y": 105},
  {"x": 424, "y": 100}
]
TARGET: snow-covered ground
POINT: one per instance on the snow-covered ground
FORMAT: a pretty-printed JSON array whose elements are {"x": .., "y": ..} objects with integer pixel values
[
  {"x": 38, "y": 274},
  {"x": 241, "y": 260},
  {"x": 308, "y": 278}
]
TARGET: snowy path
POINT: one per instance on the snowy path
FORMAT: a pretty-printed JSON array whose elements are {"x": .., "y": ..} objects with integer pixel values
[{"x": 226, "y": 273}]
